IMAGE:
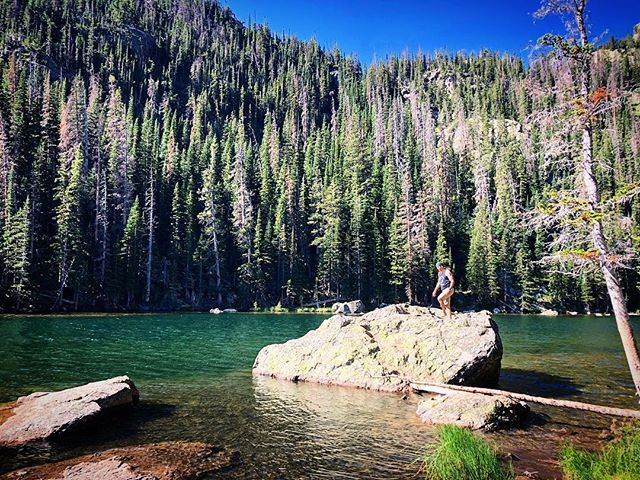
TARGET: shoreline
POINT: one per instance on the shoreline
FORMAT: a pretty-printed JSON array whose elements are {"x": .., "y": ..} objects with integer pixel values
[{"x": 276, "y": 312}]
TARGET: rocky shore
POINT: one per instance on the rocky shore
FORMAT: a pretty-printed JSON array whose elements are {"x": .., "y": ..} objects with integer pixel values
[
  {"x": 160, "y": 461},
  {"x": 44, "y": 415}
]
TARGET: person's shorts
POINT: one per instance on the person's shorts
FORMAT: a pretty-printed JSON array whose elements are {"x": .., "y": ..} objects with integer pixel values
[{"x": 445, "y": 295}]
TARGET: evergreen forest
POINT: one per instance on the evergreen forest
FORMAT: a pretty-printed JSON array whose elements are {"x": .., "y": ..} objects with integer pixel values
[{"x": 160, "y": 155}]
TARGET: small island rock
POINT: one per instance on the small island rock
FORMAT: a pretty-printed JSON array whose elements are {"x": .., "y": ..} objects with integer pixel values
[
  {"x": 160, "y": 461},
  {"x": 43, "y": 415},
  {"x": 348, "y": 308},
  {"x": 388, "y": 347},
  {"x": 473, "y": 410}
]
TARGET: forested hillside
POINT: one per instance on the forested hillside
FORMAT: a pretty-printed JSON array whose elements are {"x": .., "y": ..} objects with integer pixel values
[{"x": 160, "y": 154}]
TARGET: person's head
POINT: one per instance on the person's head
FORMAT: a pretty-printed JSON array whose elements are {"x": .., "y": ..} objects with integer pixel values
[{"x": 440, "y": 266}]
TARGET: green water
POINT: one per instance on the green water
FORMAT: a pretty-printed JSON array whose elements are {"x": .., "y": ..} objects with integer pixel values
[{"x": 194, "y": 375}]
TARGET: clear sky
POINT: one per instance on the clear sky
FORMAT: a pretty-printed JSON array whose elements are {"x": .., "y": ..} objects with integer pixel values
[{"x": 371, "y": 28}]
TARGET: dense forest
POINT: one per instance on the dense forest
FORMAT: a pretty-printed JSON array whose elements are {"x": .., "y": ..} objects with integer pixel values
[{"x": 162, "y": 155}]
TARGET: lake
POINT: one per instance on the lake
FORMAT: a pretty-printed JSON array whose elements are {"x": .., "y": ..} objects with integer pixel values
[{"x": 194, "y": 376}]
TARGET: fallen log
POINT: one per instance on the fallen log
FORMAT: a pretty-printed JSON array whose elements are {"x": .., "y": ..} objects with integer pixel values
[
  {"x": 321, "y": 302},
  {"x": 443, "y": 389}
]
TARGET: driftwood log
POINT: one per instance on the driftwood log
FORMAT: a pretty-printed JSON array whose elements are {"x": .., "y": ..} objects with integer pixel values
[{"x": 444, "y": 389}]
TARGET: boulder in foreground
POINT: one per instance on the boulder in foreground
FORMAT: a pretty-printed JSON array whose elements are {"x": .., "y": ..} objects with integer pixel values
[
  {"x": 388, "y": 347},
  {"x": 161, "y": 461},
  {"x": 473, "y": 410},
  {"x": 43, "y": 415}
]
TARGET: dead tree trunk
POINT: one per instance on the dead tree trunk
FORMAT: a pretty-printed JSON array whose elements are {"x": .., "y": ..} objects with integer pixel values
[
  {"x": 150, "y": 213},
  {"x": 591, "y": 188},
  {"x": 444, "y": 389}
]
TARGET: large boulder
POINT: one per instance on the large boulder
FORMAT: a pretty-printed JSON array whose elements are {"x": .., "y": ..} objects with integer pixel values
[
  {"x": 348, "y": 308},
  {"x": 473, "y": 410},
  {"x": 43, "y": 415},
  {"x": 161, "y": 461},
  {"x": 387, "y": 348}
]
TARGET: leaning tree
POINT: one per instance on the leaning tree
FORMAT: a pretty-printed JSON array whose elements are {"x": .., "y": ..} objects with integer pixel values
[{"x": 578, "y": 216}]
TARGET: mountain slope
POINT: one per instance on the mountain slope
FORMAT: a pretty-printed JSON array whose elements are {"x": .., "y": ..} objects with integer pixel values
[{"x": 163, "y": 155}]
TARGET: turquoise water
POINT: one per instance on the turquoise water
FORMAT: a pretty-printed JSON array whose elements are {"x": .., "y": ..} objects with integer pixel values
[{"x": 194, "y": 375}]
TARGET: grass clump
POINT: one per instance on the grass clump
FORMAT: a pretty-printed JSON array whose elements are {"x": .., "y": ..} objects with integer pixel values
[
  {"x": 313, "y": 310},
  {"x": 619, "y": 460},
  {"x": 462, "y": 455}
]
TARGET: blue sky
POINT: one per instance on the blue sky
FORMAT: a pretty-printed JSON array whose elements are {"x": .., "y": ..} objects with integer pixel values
[{"x": 381, "y": 27}]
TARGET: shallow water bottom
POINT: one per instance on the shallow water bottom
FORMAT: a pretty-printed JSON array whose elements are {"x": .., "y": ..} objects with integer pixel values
[
  {"x": 286, "y": 430},
  {"x": 194, "y": 375}
]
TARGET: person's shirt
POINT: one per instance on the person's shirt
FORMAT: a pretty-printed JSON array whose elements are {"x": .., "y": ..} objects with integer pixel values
[{"x": 443, "y": 279}]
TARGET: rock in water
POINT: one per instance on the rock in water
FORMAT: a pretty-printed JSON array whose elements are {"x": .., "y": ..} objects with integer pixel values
[
  {"x": 160, "y": 461},
  {"x": 385, "y": 348},
  {"x": 348, "y": 308},
  {"x": 42, "y": 415},
  {"x": 473, "y": 410}
]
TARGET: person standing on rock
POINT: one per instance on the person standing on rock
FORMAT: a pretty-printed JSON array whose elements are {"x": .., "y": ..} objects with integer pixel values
[{"x": 445, "y": 284}]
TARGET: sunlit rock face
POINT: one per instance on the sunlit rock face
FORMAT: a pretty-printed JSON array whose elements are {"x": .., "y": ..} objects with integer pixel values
[
  {"x": 43, "y": 415},
  {"x": 473, "y": 410},
  {"x": 387, "y": 348}
]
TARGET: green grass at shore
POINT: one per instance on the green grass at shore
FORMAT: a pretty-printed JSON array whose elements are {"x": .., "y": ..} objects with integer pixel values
[
  {"x": 280, "y": 309},
  {"x": 461, "y": 454},
  {"x": 619, "y": 460}
]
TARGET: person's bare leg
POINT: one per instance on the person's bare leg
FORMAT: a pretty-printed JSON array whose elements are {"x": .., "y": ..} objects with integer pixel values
[
  {"x": 442, "y": 299},
  {"x": 446, "y": 302}
]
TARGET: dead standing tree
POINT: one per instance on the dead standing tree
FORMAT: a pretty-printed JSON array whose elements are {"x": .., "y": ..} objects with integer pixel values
[{"x": 581, "y": 208}]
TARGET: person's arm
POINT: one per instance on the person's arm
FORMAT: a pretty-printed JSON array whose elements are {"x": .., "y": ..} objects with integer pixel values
[
  {"x": 435, "y": 290},
  {"x": 450, "y": 277}
]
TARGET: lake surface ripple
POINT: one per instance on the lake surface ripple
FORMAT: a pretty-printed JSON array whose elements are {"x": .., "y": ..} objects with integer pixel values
[{"x": 194, "y": 376}]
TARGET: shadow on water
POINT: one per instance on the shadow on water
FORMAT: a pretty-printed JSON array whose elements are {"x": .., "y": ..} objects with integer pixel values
[
  {"x": 106, "y": 430},
  {"x": 538, "y": 383}
]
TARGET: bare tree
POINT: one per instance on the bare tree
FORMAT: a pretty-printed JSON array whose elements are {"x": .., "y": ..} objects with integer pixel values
[{"x": 586, "y": 205}]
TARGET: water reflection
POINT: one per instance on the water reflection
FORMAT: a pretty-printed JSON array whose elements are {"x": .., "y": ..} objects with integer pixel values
[
  {"x": 340, "y": 432},
  {"x": 538, "y": 383}
]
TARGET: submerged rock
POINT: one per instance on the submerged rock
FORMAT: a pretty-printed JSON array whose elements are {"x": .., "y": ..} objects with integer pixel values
[
  {"x": 473, "y": 410},
  {"x": 385, "y": 348},
  {"x": 161, "y": 461},
  {"x": 43, "y": 415}
]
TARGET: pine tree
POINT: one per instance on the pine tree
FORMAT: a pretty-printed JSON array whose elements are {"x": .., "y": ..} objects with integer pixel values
[
  {"x": 481, "y": 263},
  {"x": 6, "y": 169},
  {"x": 131, "y": 254},
  {"x": 211, "y": 216},
  {"x": 397, "y": 255},
  {"x": 15, "y": 254},
  {"x": 70, "y": 239}
]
